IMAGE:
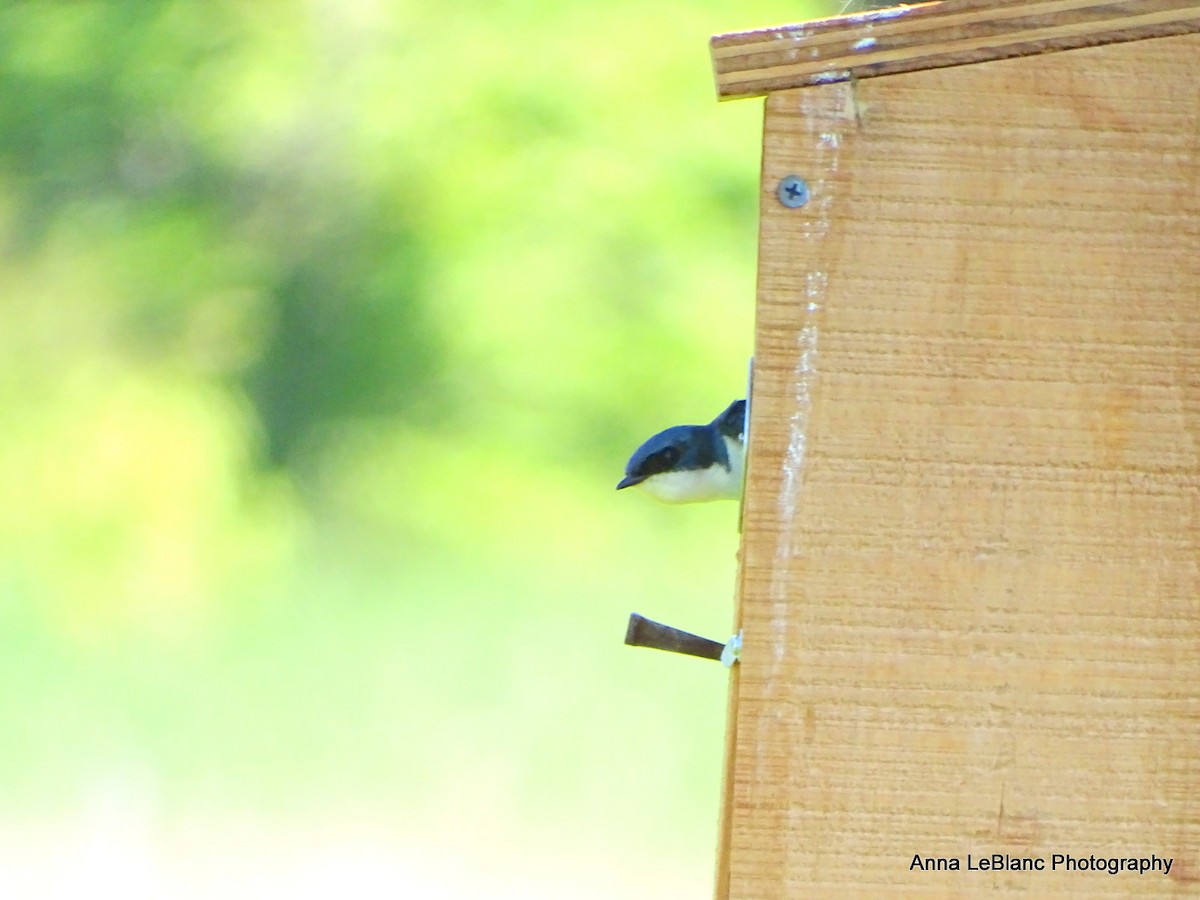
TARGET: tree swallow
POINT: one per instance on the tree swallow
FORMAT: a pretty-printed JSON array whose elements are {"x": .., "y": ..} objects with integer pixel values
[{"x": 693, "y": 463}]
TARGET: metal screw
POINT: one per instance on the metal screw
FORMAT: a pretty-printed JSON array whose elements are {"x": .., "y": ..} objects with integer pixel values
[{"x": 792, "y": 192}]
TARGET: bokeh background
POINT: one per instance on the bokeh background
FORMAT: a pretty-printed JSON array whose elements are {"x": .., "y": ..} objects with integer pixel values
[{"x": 325, "y": 330}]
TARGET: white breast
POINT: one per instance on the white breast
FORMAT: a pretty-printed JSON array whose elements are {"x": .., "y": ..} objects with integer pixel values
[{"x": 698, "y": 485}]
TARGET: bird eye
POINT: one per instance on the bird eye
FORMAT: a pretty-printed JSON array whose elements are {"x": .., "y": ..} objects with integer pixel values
[{"x": 665, "y": 459}]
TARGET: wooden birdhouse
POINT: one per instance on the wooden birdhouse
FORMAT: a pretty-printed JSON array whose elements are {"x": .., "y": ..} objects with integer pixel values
[{"x": 970, "y": 563}]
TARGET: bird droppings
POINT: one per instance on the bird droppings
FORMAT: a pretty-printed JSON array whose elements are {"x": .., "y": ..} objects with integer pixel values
[
  {"x": 876, "y": 14},
  {"x": 831, "y": 77}
]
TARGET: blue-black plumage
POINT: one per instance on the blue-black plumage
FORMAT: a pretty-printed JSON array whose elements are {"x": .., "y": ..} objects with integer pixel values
[{"x": 693, "y": 463}]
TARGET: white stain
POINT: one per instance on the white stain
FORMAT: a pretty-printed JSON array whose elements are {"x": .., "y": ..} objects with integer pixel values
[
  {"x": 864, "y": 44},
  {"x": 823, "y": 114},
  {"x": 815, "y": 286},
  {"x": 803, "y": 375},
  {"x": 877, "y": 15},
  {"x": 830, "y": 77}
]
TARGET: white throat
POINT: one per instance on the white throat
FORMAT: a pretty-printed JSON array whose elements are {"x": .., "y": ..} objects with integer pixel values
[{"x": 699, "y": 485}]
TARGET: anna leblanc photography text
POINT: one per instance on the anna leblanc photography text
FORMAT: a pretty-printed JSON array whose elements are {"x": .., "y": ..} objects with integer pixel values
[{"x": 1113, "y": 865}]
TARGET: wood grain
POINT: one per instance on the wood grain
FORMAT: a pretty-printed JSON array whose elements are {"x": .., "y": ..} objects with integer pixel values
[
  {"x": 970, "y": 586},
  {"x": 932, "y": 35}
]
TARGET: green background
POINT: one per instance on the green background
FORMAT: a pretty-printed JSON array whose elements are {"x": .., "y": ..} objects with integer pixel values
[{"x": 325, "y": 331}]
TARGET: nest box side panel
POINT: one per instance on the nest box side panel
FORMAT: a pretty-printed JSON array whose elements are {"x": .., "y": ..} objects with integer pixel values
[{"x": 971, "y": 547}]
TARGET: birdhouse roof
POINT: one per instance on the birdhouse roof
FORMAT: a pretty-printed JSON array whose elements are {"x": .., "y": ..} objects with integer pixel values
[{"x": 932, "y": 35}]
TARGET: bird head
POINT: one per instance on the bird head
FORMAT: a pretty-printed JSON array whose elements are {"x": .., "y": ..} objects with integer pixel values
[{"x": 692, "y": 463}]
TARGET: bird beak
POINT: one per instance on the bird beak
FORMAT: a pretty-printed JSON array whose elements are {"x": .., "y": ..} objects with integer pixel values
[{"x": 630, "y": 481}]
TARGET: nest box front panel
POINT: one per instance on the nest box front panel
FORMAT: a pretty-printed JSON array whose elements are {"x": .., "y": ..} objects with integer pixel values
[{"x": 971, "y": 558}]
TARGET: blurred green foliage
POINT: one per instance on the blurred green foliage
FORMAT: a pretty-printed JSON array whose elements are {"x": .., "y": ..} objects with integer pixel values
[{"x": 326, "y": 329}]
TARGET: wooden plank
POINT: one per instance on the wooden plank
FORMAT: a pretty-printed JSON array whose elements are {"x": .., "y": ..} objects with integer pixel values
[
  {"x": 971, "y": 550},
  {"x": 932, "y": 35}
]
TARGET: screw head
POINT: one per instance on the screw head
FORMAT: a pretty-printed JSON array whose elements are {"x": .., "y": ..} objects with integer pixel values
[{"x": 792, "y": 191}]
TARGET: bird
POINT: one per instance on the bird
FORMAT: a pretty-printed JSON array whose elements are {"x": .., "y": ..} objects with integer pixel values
[{"x": 693, "y": 463}]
